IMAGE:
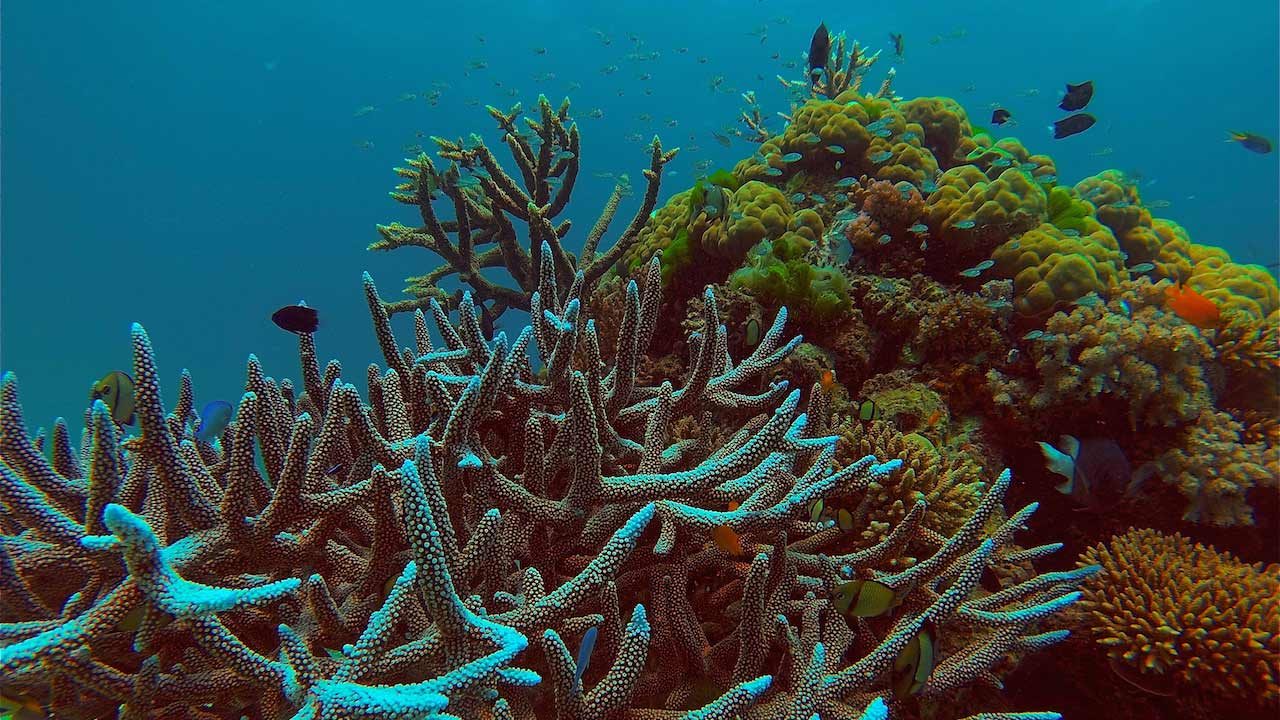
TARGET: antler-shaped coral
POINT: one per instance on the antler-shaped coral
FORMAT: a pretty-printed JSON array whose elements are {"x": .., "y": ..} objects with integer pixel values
[{"x": 488, "y": 199}]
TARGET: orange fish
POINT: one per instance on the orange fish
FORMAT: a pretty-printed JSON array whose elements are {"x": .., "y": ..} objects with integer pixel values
[
  {"x": 726, "y": 539},
  {"x": 1192, "y": 306},
  {"x": 827, "y": 380}
]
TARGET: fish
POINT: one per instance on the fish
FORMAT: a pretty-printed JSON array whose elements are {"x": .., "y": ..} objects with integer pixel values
[
  {"x": 1250, "y": 141},
  {"x": 1072, "y": 125},
  {"x": 1077, "y": 96},
  {"x": 585, "y": 648},
  {"x": 722, "y": 139},
  {"x": 726, "y": 539},
  {"x": 214, "y": 418},
  {"x": 791, "y": 157},
  {"x": 914, "y": 664},
  {"x": 837, "y": 149},
  {"x": 885, "y": 239},
  {"x": 1192, "y": 306},
  {"x": 896, "y": 39},
  {"x": 297, "y": 319},
  {"x": 919, "y": 228},
  {"x": 797, "y": 197},
  {"x": 1141, "y": 268},
  {"x": 116, "y": 389},
  {"x": 1000, "y": 116},
  {"x": 985, "y": 265},
  {"x": 362, "y": 111},
  {"x": 846, "y": 182},
  {"x": 1093, "y": 468},
  {"x": 773, "y": 171},
  {"x": 819, "y": 51},
  {"x": 1033, "y": 335},
  {"x": 970, "y": 272},
  {"x": 881, "y": 156},
  {"x": 865, "y": 598},
  {"x": 752, "y": 332},
  {"x": 868, "y": 411},
  {"x": 965, "y": 224},
  {"x": 828, "y": 381}
]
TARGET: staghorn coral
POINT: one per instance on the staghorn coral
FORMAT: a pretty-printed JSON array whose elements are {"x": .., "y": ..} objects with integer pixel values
[
  {"x": 434, "y": 553},
  {"x": 547, "y": 159},
  {"x": 1166, "y": 606},
  {"x": 1128, "y": 351},
  {"x": 1216, "y": 470}
]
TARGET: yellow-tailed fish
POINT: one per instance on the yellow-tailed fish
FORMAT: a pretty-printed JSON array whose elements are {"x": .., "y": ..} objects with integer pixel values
[
  {"x": 116, "y": 390},
  {"x": 815, "y": 509},
  {"x": 865, "y": 598},
  {"x": 914, "y": 665}
]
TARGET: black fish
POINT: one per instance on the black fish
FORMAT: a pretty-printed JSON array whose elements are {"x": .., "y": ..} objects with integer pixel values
[
  {"x": 896, "y": 39},
  {"x": 1077, "y": 96},
  {"x": 1000, "y": 116},
  {"x": 1252, "y": 142},
  {"x": 1095, "y": 469},
  {"x": 819, "y": 50},
  {"x": 1072, "y": 125},
  {"x": 296, "y": 319}
]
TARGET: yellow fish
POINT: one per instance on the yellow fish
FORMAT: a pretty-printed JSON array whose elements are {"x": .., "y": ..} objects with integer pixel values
[
  {"x": 914, "y": 665},
  {"x": 116, "y": 390},
  {"x": 865, "y": 598}
]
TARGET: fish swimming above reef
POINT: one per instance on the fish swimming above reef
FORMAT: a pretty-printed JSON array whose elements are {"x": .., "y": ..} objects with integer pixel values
[
  {"x": 819, "y": 51},
  {"x": 1000, "y": 116},
  {"x": 1072, "y": 125},
  {"x": 1077, "y": 96},
  {"x": 116, "y": 390},
  {"x": 296, "y": 318},
  {"x": 1192, "y": 306},
  {"x": 1094, "y": 468},
  {"x": 1250, "y": 141},
  {"x": 896, "y": 39}
]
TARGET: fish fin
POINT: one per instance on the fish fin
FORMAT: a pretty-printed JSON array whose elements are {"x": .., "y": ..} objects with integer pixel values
[
  {"x": 1070, "y": 445},
  {"x": 1062, "y": 464}
]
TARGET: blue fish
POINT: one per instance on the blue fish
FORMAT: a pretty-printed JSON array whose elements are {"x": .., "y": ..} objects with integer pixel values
[
  {"x": 881, "y": 156},
  {"x": 791, "y": 157},
  {"x": 584, "y": 653},
  {"x": 214, "y": 418}
]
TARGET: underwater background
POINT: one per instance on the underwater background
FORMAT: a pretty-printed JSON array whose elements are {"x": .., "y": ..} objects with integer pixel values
[{"x": 193, "y": 167}]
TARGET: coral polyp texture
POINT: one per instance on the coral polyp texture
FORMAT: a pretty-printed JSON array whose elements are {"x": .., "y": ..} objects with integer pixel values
[
  {"x": 437, "y": 551},
  {"x": 1168, "y": 607}
]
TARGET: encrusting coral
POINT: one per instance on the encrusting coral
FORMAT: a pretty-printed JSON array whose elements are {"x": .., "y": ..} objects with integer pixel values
[
  {"x": 404, "y": 558},
  {"x": 1166, "y": 606}
]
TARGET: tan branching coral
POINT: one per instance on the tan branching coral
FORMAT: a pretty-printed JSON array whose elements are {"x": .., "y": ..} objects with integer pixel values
[
  {"x": 1167, "y": 606},
  {"x": 1216, "y": 470},
  {"x": 1129, "y": 349},
  {"x": 949, "y": 484}
]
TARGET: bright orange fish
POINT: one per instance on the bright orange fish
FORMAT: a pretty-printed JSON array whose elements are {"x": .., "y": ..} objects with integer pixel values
[
  {"x": 828, "y": 381},
  {"x": 726, "y": 539},
  {"x": 1192, "y": 306}
]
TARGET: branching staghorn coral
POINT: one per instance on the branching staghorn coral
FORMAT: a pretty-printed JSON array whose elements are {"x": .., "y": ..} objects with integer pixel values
[
  {"x": 435, "y": 552},
  {"x": 485, "y": 205}
]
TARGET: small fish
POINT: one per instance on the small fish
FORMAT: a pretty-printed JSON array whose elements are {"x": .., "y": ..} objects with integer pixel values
[
  {"x": 909, "y": 137},
  {"x": 827, "y": 380},
  {"x": 214, "y": 418},
  {"x": 1250, "y": 141},
  {"x": 1192, "y": 306},
  {"x": 297, "y": 319},
  {"x": 1093, "y": 467},
  {"x": 752, "y": 332},
  {"x": 819, "y": 51},
  {"x": 965, "y": 225},
  {"x": 820, "y": 199},
  {"x": 970, "y": 272},
  {"x": 865, "y": 598},
  {"x": 919, "y": 228},
  {"x": 840, "y": 197},
  {"x": 846, "y": 182},
  {"x": 884, "y": 239},
  {"x": 362, "y": 111},
  {"x": 868, "y": 411},
  {"x": 1077, "y": 96},
  {"x": 792, "y": 157},
  {"x": 1141, "y": 268},
  {"x": 797, "y": 197},
  {"x": 116, "y": 389},
  {"x": 913, "y": 666},
  {"x": 837, "y": 149},
  {"x": 984, "y": 265},
  {"x": 585, "y": 648},
  {"x": 726, "y": 539},
  {"x": 1090, "y": 300},
  {"x": 999, "y": 304},
  {"x": 1072, "y": 125},
  {"x": 896, "y": 39},
  {"x": 722, "y": 139},
  {"x": 539, "y": 51},
  {"x": 1033, "y": 335},
  {"x": 1012, "y": 357},
  {"x": 1000, "y": 116},
  {"x": 811, "y": 138},
  {"x": 1047, "y": 179},
  {"x": 881, "y": 156},
  {"x": 773, "y": 171},
  {"x": 596, "y": 114},
  {"x": 883, "y": 132}
]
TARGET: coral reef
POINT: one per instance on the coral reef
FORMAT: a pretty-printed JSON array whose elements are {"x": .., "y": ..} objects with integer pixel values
[
  {"x": 1166, "y": 606},
  {"x": 435, "y": 550},
  {"x": 1052, "y": 267}
]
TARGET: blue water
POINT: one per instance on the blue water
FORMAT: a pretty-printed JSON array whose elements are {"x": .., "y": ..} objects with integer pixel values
[{"x": 194, "y": 165}]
